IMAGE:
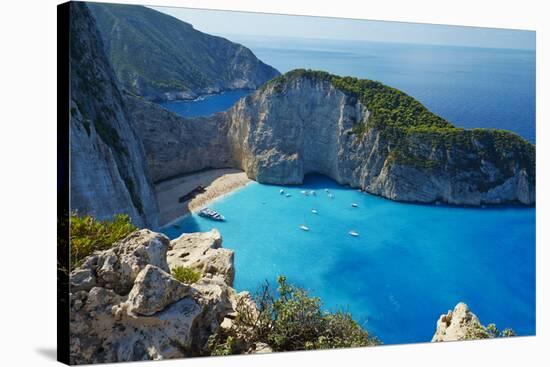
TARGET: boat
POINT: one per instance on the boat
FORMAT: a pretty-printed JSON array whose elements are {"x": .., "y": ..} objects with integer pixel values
[
  {"x": 281, "y": 191},
  {"x": 211, "y": 214},
  {"x": 312, "y": 192},
  {"x": 331, "y": 196},
  {"x": 288, "y": 195},
  {"x": 314, "y": 211},
  {"x": 353, "y": 233},
  {"x": 303, "y": 227},
  {"x": 354, "y": 205},
  {"x": 326, "y": 190},
  {"x": 305, "y": 192}
]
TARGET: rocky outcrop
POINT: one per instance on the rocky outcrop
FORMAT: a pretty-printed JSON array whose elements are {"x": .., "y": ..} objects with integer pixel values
[
  {"x": 125, "y": 305},
  {"x": 176, "y": 145},
  {"x": 366, "y": 135},
  {"x": 172, "y": 60},
  {"x": 458, "y": 324},
  {"x": 203, "y": 252},
  {"x": 358, "y": 132},
  {"x": 109, "y": 174}
]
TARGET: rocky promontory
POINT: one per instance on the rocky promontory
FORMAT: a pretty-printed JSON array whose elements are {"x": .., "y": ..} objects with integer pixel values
[{"x": 358, "y": 132}]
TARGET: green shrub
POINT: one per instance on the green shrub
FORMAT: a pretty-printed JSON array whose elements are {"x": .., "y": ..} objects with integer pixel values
[
  {"x": 488, "y": 332},
  {"x": 185, "y": 275},
  {"x": 287, "y": 321},
  {"x": 88, "y": 234}
]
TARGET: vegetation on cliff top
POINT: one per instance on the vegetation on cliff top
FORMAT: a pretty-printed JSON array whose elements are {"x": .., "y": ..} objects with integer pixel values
[
  {"x": 88, "y": 234},
  {"x": 287, "y": 321},
  {"x": 405, "y": 123}
]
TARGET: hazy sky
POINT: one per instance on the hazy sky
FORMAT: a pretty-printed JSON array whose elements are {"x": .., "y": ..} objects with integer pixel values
[{"x": 227, "y": 23}]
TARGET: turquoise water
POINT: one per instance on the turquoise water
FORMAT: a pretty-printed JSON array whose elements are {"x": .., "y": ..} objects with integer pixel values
[
  {"x": 206, "y": 105},
  {"x": 409, "y": 264}
]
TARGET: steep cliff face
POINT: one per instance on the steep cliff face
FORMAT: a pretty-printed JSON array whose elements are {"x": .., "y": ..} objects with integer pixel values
[
  {"x": 109, "y": 174},
  {"x": 175, "y": 145},
  {"x": 367, "y": 135},
  {"x": 159, "y": 57}
]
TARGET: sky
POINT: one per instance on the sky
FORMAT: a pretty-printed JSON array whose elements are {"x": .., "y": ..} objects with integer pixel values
[{"x": 227, "y": 23}]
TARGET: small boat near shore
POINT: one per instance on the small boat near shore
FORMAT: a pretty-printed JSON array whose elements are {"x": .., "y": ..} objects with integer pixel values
[
  {"x": 211, "y": 214},
  {"x": 281, "y": 192},
  {"x": 354, "y": 205},
  {"x": 314, "y": 211},
  {"x": 303, "y": 227}
]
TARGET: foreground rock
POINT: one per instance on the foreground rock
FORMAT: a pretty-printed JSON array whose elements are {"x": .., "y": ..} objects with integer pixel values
[
  {"x": 203, "y": 252},
  {"x": 126, "y": 306}
]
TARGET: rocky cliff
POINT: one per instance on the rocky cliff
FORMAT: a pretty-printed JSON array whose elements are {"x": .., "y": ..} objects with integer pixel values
[
  {"x": 358, "y": 132},
  {"x": 367, "y": 135},
  {"x": 175, "y": 145},
  {"x": 125, "y": 305},
  {"x": 159, "y": 57},
  {"x": 109, "y": 174},
  {"x": 462, "y": 324}
]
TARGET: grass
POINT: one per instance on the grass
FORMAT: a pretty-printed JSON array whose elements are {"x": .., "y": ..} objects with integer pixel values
[
  {"x": 185, "y": 275},
  {"x": 88, "y": 234}
]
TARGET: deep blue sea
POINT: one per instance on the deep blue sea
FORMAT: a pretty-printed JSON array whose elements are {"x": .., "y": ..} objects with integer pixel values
[
  {"x": 205, "y": 105},
  {"x": 410, "y": 263},
  {"x": 469, "y": 86}
]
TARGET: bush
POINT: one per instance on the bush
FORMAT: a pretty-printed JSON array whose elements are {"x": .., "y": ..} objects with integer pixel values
[
  {"x": 488, "y": 332},
  {"x": 185, "y": 275},
  {"x": 288, "y": 321},
  {"x": 88, "y": 234}
]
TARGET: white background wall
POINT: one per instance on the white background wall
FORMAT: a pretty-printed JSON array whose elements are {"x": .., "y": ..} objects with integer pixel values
[{"x": 28, "y": 176}]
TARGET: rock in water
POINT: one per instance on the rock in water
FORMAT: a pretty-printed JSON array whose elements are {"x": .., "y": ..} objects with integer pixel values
[
  {"x": 125, "y": 305},
  {"x": 459, "y": 324}
]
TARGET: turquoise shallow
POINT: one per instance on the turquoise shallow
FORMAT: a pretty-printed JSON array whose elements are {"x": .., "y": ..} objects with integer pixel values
[{"x": 409, "y": 264}]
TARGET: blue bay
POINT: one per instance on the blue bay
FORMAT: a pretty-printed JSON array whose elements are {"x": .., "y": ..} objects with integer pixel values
[{"x": 409, "y": 264}]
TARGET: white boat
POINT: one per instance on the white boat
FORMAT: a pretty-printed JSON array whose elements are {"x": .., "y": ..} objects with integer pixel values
[
  {"x": 211, "y": 214},
  {"x": 288, "y": 195},
  {"x": 326, "y": 190},
  {"x": 303, "y": 227},
  {"x": 314, "y": 211},
  {"x": 312, "y": 192},
  {"x": 331, "y": 196},
  {"x": 305, "y": 192},
  {"x": 281, "y": 191},
  {"x": 353, "y": 233},
  {"x": 354, "y": 205}
]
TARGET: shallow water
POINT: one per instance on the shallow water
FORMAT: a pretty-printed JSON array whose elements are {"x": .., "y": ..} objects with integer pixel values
[{"x": 409, "y": 264}]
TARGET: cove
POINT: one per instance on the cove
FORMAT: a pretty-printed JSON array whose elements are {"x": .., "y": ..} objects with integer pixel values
[
  {"x": 410, "y": 263},
  {"x": 206, "y": 105}
]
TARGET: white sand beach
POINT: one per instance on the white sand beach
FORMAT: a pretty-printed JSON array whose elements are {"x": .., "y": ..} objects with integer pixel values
[{"x": 217, "y": 182}]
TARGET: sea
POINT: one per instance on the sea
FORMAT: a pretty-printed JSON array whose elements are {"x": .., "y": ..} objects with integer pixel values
[{"x": 410, "y": 263}]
